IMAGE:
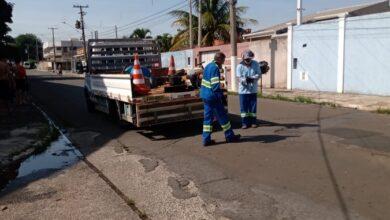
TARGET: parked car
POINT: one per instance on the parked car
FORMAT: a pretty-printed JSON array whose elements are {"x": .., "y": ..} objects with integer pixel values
[{"x": 29, "y": 65}]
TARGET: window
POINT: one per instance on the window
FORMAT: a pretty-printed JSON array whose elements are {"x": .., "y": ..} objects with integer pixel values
[
  {"x": 188, "y": 61},
  {"x": 65, "y": 49}
]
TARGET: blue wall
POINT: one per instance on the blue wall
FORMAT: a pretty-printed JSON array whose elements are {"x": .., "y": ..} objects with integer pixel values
[
  {"x": 316, "y": 48},
  {"x": 181, "y": 58},
  {"x": 367, "y": 54}
]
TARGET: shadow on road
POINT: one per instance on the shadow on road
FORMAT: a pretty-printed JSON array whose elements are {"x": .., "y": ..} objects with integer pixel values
[
  {"x": 266, "y": 139},
  {"x": 69, "y": 111},
  {"x": 194, "y": 128}
]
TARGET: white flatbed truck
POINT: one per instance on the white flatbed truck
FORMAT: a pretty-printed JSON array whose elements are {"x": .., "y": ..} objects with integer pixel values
[{"x": 111, "y": 92}]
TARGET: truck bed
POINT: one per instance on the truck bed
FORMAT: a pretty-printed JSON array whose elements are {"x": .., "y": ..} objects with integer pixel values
[{"x": 157, "y": 107}]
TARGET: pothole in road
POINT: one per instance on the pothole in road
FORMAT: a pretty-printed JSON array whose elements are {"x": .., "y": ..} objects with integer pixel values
[
  {"x": 180, "y": 188},
  {"x": 149, "y": 164}
]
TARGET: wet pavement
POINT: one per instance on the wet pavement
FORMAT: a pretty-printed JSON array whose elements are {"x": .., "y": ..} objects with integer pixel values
[{"x": 59, "y": 154}]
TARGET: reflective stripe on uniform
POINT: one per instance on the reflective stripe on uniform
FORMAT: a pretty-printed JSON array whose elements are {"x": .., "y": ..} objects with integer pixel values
[
  {"x": 206, "y": 83},
  {"x": 226, "y": 126},
  {"x": 248, "y": 114},
  {"x": 243, "y": 115},
  {"x": 207, "y": 128},
  {"x": 214, "y": 80}
]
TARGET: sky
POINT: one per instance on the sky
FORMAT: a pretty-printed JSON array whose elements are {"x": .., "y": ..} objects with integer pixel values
[{"x": 36, "y": 16}]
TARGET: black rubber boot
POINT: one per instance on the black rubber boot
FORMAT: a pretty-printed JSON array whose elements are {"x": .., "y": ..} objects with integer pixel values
[
  {"x": 236, "y": 138},
  {"x": 209, "y": 143}
]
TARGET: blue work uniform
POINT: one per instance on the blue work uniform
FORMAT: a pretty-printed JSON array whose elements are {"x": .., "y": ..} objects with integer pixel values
[
  {"x": 248, "y": 91},
  {"x": 212, "y": 96}
]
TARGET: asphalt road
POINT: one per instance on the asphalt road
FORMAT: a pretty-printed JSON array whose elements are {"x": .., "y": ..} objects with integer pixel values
[{"x": 303, "y": 162}]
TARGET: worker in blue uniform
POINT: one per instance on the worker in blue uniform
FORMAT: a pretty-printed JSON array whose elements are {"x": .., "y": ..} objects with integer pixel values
[
  {"x": 212, "y": 96},
  {"x": 249, "y": 73}
]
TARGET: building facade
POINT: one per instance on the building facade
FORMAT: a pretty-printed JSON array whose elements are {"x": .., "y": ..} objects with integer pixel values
[
  {"x": 348, "y": 54},
  {"x": 64, "y": 53},
  {"x": 275, "y": 43}
]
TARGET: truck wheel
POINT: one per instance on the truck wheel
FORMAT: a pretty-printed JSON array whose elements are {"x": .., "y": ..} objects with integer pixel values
[
  {"x": 115, "y": 114},
  {"x": 89, "y": 104}
]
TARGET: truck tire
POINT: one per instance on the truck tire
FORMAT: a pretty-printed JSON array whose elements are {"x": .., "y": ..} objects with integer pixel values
[
  {"x": 114, "y": 112},
  {"x": 89, "y": 104}
]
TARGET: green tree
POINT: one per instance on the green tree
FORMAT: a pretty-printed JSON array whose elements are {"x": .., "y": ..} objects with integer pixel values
[
  {"x": 5, "y": 20},
  {"x": 164, "y": 42},
  {"x": 141, "y": 33},
  {"x": 215, "y": 25},
  {"x": 27, "y": 45}
]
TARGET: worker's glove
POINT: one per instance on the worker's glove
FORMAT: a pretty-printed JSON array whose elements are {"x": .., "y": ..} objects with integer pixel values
[{"x": 249, "y": 80}]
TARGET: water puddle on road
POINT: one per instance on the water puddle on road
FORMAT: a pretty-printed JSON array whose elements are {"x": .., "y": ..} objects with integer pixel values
[{"x": 59, "y": 155}]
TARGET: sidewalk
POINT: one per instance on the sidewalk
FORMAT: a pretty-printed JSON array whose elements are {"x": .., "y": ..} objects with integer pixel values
[
  {"x": 356, "y": 101},
  {"x": 72, "y": 74}
]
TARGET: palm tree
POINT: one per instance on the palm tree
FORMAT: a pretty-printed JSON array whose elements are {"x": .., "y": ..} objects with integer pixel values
[
  {"x": 141, "y": 33},
  {"x": 215, "y": 25},
  {"x": 164, "y": 41}
]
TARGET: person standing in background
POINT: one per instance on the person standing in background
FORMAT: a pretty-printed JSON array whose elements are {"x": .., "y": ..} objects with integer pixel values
[
  {"x": 249, "y": 73},
  {"x": 21, "y": 83},
  {"x": 5, "y": 83}
]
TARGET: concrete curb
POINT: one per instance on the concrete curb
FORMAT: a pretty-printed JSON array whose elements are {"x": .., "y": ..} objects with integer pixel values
[{"x": 354, "y": 101}]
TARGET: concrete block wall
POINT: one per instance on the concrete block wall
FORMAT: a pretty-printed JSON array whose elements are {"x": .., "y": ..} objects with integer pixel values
[
  {"x": 274, "y": 51},
  {"x": 315, "y": 56},
  {"x": 345, "y": 55},
  {"x": 367, "y": 54},
  {"x": 183, "y": 59}
]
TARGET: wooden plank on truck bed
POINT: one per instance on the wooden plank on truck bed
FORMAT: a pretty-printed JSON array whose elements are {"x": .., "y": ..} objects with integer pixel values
[{"x": 169, "y": 103}]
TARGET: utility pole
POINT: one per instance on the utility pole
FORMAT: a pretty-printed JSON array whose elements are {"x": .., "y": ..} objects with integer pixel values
[
  {"x": 233, "y": 44},
  {"x": 200, "y": 24},
  {"x": 299, "y": 12},
  {"x": 96, "y": 35},
  {"x": 54, "y": 49},
  {"x": 116, "y": 32},
  {"x": 191, "y": 37},
  {"x": 82, "y": 13}
]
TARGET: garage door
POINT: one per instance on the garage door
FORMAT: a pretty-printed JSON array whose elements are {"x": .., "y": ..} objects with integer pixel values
[{"x": 207, "y": 57}]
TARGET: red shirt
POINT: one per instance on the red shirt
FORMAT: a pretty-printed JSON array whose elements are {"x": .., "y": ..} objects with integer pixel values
[{"x": 21, "y": 74}]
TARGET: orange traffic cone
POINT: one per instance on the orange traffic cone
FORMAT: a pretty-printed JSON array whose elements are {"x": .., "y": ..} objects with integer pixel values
[
  {"x": 171, "y": 68},
  {"x": 138, "y": 78}
]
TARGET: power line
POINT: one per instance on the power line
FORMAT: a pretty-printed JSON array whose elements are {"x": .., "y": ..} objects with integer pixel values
[
  {"x": 153, "y": 19},
  {"x": 148, "y": 18},
  {"x": 151, "y": 15}
]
